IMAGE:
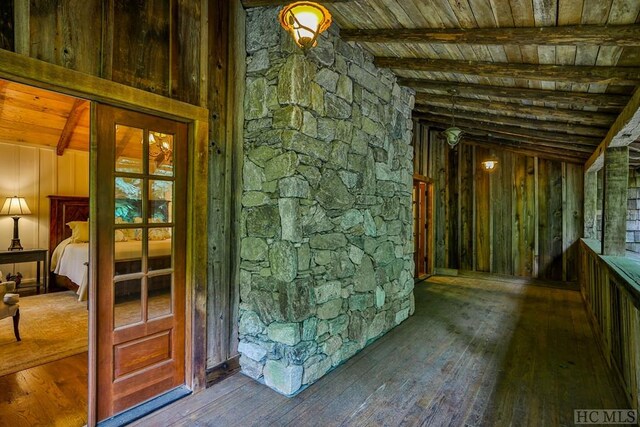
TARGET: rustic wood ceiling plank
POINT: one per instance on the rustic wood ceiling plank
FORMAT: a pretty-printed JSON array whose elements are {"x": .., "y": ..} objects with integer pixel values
[
  {"x": 561, "y": 128},
  {"x": 262, "y": 3},
  {"x": 585, "y": 144},
  {"x": 544, "y": 72},
  {"x": 78, "y": 108},
  {"x": 574, "y": 35},
  {"x": 502, "y": 108},
  {"x": 624, "y": 131},
  {"x": 573, "y": 98}
]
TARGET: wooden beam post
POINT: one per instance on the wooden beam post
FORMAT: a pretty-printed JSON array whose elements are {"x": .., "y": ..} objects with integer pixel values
[
  {"x": 590, "y": 204},
  {"x": 624, "y": 131},
  {"x": 79, "y": 106},
  {"x": 614, "y": 211}
]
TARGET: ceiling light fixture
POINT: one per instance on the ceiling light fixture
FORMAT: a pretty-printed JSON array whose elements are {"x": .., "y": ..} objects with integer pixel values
[
  {"x": 453, "y": 134},
  {"x": 490, "y": 164},
  {"x": 305, "y": 20}
]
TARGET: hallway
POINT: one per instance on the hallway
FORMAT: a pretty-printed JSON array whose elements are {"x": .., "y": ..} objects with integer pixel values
[{"x": 476, "y": 352}]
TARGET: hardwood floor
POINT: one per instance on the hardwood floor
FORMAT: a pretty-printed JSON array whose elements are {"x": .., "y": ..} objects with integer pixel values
[
  {"x": 54, "y": 394},
  {"x": 477, "y": 352}
]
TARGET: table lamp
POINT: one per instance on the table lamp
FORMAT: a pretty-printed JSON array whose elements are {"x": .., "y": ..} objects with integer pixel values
[{"x": 15, "y": 206}]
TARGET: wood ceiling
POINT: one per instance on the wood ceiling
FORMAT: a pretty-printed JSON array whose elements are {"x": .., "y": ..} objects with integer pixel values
[
  {"x": 541, "y": 76},
  {"x": 38, "y": 117}
]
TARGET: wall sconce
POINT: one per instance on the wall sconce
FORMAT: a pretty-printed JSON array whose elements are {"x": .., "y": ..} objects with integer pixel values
[
  {"x": 489, "y": 165},
  {"x": 305, "y": 20}
]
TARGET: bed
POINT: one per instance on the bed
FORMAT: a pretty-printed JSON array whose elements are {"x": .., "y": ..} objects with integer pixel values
[{"x": 69, "y": 261}]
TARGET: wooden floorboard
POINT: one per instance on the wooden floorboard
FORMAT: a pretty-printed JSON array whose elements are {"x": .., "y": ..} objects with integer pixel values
[
  {"x": 53, "y": 394},
  {"x": 477, "y": 352}
]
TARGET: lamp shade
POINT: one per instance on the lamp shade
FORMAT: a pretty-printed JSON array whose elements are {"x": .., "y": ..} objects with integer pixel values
[
  {"x": 15, "y": 206},
  {"x": 453, "y": 135},
  {"x": 305, "y": 20}
]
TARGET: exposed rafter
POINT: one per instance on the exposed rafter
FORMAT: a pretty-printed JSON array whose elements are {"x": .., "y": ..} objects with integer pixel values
[
  {"x": 568, "y": 129},
  {"x": 526, "y": 150},
  {"x": 561, "y": 97},
  {"x": 582, "y": 143},
  {"x": 584, "y": 35},
  {"x": 624, "y": 131},
  {"x": 506, "y": 108},
  {"x": 79, "y": 106},
  {"x": 544, "y": 72},
  {"x": 259, "y": 3}
]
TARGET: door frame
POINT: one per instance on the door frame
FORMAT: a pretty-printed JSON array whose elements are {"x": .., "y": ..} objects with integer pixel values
[
  {"x": 428, "y": 223},
  {"x": 33, "y": 72}
]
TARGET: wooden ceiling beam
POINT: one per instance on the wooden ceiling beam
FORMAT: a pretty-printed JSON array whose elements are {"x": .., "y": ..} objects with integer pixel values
[
  {"x": 562, "y": 128},
  {"x": 261, "y": 3},
  {"x": 585, "y": 143},
  {"x": 523, "y": 150},
  {"x": 573, "y": 98},
  {"x": 505, "y": 108},
  {"x": 582, "y": 35},
  {"x": 624, "y": 131},
  {"x": 544, "y": 72},
  {"x": 79, "y": 106}
]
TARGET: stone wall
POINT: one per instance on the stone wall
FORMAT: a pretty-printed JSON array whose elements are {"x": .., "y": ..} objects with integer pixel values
[{"x": 326, "y": 250}]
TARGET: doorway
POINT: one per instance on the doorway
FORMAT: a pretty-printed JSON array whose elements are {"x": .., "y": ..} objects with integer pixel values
[
  {"x": 422, "y": 227},
  {"x": 139, "y": 227}
]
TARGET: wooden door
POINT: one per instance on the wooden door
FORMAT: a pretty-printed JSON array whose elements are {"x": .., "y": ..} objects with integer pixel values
[
  {"x": 422, "y": 230},
  {"x": 140, "y": 252}
]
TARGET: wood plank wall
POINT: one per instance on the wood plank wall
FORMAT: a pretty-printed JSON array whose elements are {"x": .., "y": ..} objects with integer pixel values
[
  {"x": 174, "y": 48},
  {"x": 524, "y": 219},
  {"x": 152, "y": 45}
]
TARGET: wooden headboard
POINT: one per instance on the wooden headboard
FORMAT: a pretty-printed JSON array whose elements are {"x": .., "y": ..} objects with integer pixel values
[{"x": 63, "y": 209}]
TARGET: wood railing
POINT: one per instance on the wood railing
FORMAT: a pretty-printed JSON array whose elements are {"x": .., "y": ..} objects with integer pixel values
[{"x": 611, "y": 293}]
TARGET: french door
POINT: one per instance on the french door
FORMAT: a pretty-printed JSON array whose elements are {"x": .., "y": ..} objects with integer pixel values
[{"x": 140, "y": 246}]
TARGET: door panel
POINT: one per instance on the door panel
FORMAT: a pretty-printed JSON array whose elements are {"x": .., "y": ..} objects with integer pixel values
[{"x": 141, "y": 229}]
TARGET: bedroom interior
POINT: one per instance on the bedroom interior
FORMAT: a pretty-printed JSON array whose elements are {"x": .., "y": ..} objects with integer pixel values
[
  {"x": 46, "y": 136},
  {"x": 44, "y": 140}
]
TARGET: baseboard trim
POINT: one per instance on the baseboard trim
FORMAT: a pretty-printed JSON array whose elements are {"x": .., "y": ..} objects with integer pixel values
[{"x": 223, "y": 370}]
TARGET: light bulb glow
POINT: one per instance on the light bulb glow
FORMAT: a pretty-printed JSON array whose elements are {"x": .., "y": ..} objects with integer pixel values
[
  {"x": 489, "y": 165},
  {"x": 305, "y": 21}
]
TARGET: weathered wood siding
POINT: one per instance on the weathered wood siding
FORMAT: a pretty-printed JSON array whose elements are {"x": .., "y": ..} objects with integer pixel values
[
  {"x": 178, "y": 49},
  {"x": 150, "y": 45},
  {"x": 524, "y": 219}
]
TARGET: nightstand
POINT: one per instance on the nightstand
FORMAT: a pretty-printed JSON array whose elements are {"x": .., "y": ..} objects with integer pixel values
[{"x": 29, "y": 255}]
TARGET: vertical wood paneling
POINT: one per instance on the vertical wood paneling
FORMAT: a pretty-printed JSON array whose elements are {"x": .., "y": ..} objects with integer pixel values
[
  {"x": 67, "y": 33},
  {"x": 573, "y": 219},
  {"x": 439, "y": 159},
  {"x": 466, "y": 207},
  {"x": 6, "y": 25},
  {"x": 483, "y": 216},
  {"x": 523, "y": 219},
  {"x": 186, "y": 59},
  {"x": 501, "y": 201},
  {"x": 452, "y": 213},
  {"x": 524, "y": 215},
  {"x": 141, "y": 44},
  {"x": 550, "y": 219}
]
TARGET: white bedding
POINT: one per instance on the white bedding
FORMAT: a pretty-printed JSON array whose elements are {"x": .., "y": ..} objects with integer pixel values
[{"x": 68, "y": 259}]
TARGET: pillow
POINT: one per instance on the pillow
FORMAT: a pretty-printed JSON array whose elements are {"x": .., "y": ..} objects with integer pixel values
[
  {"x": 157, "y": 234},
  {"x": 79, "y": 231},
  {"x": 120, "y": 236}
]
